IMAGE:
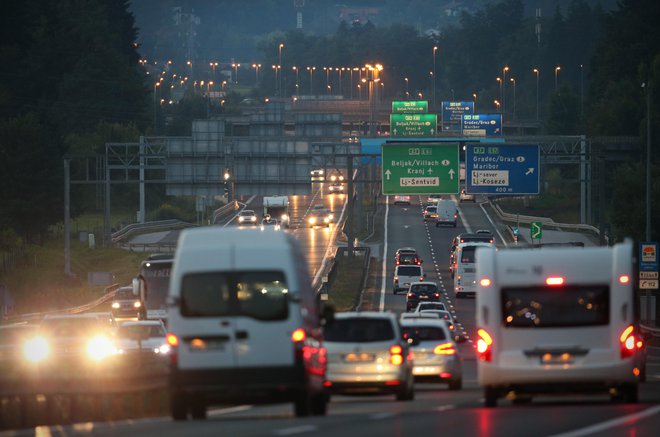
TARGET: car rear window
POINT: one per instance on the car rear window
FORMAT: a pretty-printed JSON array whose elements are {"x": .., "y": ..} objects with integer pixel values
[
  {"x": 432, "y": 306},
  {"x": 424, "y": 288},
  {"x": 124, "y": 294},
  {"x": 259, "y": 295},
  {"x": 552, "y": 307},
  {"x": 359, "y": 330},
  {"x": 431, "y": 209},
  {"x": 407, "y": 257},
  {"x": 424, "y": 333},
  {"x": 409, "y": 271}
]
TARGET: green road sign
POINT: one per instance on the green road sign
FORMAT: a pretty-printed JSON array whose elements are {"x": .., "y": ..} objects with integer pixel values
[
  {"x": 420, "y": 168},
  {"x": 410, "y": 107},
  {"x": 413, "y": 125},
  {"x": 536, "y": 230}
]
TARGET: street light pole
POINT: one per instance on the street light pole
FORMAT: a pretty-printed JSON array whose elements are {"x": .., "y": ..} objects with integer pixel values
[
  {"x": 311, "y": 79},
  {"x": 474, "y": 104},
  {"x": 407, "y": 89},
  {"x": 537, "y": 72},
  {"x": 256, "y": 71},
  {"x": 557, "y": 68},
  {"x": 279, "y": 82},
  {"x": 156, "y": 87},
  {"x": 294, "y": 68},
  {"x": 435, "y": 49},
  {"x": 514, "y": 97},
  {"x": 504, "y": 70}
]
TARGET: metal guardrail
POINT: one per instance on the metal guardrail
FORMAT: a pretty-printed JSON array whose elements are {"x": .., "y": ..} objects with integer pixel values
[
  {"x": 225, "y": 210},
  {"x": 141, "y": 228},
  {"x": 547, "y": 222}
]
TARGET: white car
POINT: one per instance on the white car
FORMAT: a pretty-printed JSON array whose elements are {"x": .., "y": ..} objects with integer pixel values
[
  {"x": 436, "y": 357},
  {"x": 142, "y": 336},
  {"x": 336, "y": 187},
  {"x": 318, "y": 174},
  {"x": 430, "y": 306},
  {"x": 402, "y": 200},
  {"x": 247, "y": 217}
]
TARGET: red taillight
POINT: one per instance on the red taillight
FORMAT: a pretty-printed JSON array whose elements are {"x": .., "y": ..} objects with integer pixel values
[
  {"x": 444, "y": 349},
  {"x": 393, "y": 382},
  {"x": 327, "y": 383},
  {"x": 396, "y": 279},
  {"x": 173, "y": 341},
  {"x": 298, "y": 335},
  {"x": 484, "y": 345},
  {"x": 554, "y": 280},
  {"x": 628, "y": 343},
  {"x": 411, "y": 294},
  {"x": 396, "y": 355},
  {"x": 436, "y": 295},
  {"x": 455, "y": 215},
  {"x": 397, "y": 262},
  {"x": 421, "y": 279}
]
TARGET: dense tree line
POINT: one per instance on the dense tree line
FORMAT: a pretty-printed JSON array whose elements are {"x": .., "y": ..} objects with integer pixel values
[{"x": 68, "y": 68}]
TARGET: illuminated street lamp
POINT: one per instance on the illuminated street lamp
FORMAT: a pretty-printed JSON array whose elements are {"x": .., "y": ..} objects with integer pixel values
[
  {"x": 156, "y": 87},
  {"x": 474, "y": 100},
  {"x": 359, "y": 92},
  {"x": 504, "y": 70},
  {"x": 213, "y": 65},
  {"x": 407, "y": 88},
  {"x": 420, "y": 95},
  {"x": 329, "y": 89},
  {"x": 327, "y": 75},
  {"x": 224, "y": 84},
  {"x": 256, "y": 71},
  {"x": 537, "y": 72},
  {"x": 514, "y": 97},
  {"x": 236, "y": 72},
  {"x": 557, "y": 68},
  {"x": 497, "y": 105},
  {"x": 294, "y": 68},
  {"x": 279, "y": 83},
  {"x": 311, "y": 79},
  {"x": 499, "y": 81},
  {"x": 435, "y": 49}
]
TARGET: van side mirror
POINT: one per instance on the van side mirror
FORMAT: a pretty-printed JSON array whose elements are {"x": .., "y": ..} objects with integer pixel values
[{"x": 328, "y": 315}]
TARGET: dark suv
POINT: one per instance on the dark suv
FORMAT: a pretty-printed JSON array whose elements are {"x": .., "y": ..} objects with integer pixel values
[
  {"x": 407, "y": 256},
  {"x": 421, "y": 292}
]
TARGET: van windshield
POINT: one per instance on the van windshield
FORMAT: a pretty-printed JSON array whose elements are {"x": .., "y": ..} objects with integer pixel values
[
  {"x": 552, "y": 307},
  {"x": 467, "y": 254},
  {"x": 259, "y": 295},
  {"x": 359, "y": 330}
]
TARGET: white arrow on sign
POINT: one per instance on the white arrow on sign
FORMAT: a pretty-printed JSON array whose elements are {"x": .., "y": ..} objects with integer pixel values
[
  {"x": 430, "y": 170},
  {"x": 529, "y": 171},
  {"x": 451, "y": 174},
  {"x": 388, "y": 173}
]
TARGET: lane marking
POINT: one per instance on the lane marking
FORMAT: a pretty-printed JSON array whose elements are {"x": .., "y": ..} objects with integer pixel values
[
  {"x": 493, "y": 224},
  {"x": 295, "y": 430},
  {"x": 445, "y": 407},
  {"x": 383, "y": 415},
  {"x": 629, "y": 419},
  {"x": 381, "y": 306},
  {"x": 229, "y": 410}
]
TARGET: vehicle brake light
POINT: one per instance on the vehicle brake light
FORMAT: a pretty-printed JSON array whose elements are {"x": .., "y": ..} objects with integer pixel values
[
  {"x": 421, "y": 278},
  {"x": 396, "y": 279},
  {"x": 298, "y": 335},
  {"x": 444, "y": 349},
  {"x": 436, "y": 294},
  {"x": 554, "y": 280},
  {"x": 411, "y": 294},
  {"x": 628, "y": 343},
  {"x": 624, "y": 279},
  {"x": 172, "y": 340},
  {"x": 455, "y": 215},
  {"x": 485, "y": 282},
  {"x": 396, "y": 355},
  {"x": 484, "y": 345}
]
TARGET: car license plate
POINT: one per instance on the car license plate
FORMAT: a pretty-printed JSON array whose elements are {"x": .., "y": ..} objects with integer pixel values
[{"x": 358, "y": 358}]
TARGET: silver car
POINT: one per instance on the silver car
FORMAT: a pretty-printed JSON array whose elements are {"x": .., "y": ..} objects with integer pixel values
[
  {"x": 435, "y": 354},
  {"x": 142, "y": 336},
  {"x": 367, "y": 354}
]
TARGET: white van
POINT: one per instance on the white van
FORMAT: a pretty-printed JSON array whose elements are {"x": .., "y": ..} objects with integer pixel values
[
  {"x": 556, "y": 320},
  {"x": 447, "y": 213},
  {"x": 244, "y": 323},
  {"x": 404, "y": 275},
  {"x": 465, "y": 269}
]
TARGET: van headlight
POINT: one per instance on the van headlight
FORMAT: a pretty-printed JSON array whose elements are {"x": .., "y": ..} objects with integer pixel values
[
  {"x": 99, "y": 348},
  {"x": 285, "y": 217},
  {"x": 240, "y": 219},
  {"x": 36, "y": 350},
  {"x": 137, "y": 304},
  {"x": 115, "y": 305},
  {"x": 312, "y": 220}
]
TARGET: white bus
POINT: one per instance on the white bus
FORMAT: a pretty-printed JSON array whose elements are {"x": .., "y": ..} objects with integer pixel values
[{"x": 556, "y": 320}]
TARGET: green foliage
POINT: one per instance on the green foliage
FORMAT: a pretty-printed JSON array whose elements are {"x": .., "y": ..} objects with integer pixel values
[
  {"x": 9, "y": 240},
  {"x": 182, "y": 208},
  {"x": 564, "y": 113},
  {"x": 627, "y": 210}
]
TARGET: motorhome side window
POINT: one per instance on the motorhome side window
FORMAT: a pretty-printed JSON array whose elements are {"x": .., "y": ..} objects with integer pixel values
[
  {"x": 467, "y": 255},
  {"x": 259, "y": 295},
  {"x": 551, "y": 307}
]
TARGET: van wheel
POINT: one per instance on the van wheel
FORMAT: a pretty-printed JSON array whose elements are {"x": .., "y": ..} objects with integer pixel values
[
  {"x": 302, "y": 405},
  {"x": 627, "y": 393},
  {"x": 490, "y": 397},
  {"x": 198, "y": 410},
  {"x": 456, "y": 384},
  {"x": 320, "y": 404},
  {"x": 407, "y": 393},
  {"x": 178, "y": 407}
]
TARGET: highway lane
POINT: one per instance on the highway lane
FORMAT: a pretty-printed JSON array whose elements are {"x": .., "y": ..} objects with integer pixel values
[{"x": 435, "y": 410}]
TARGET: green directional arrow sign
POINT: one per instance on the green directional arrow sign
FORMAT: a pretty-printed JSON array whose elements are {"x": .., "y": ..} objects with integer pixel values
[
  {"x": 420, "y": 168},
  {"x": 413, "y": 125},
  {"x": 536, "y": 230},
  {"x": 410, "y": 107}
]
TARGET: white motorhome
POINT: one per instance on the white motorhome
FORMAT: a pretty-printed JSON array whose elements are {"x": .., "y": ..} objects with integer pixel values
[
  {"x": 278, "y": 208},
  {"x": 244, "y": 323},
  {"x": 556, "y": 320},
  {"x": 465, "y": 269}
]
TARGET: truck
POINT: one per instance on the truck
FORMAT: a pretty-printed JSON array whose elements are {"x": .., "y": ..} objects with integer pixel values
[
  {"x": 152, "y": 284},
  {"x": 278, "y": 208}
]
